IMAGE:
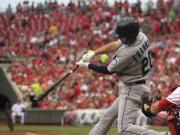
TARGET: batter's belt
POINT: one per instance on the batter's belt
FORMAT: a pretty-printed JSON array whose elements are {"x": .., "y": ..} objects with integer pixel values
[{"x": 136, "y": 82}]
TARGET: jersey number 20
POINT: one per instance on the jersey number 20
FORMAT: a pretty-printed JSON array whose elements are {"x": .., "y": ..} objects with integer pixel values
[{"x": 146, "y": 64}]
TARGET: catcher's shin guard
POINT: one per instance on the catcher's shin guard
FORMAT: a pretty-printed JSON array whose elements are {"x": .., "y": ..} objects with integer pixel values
[{"x": 174, "y": 123}]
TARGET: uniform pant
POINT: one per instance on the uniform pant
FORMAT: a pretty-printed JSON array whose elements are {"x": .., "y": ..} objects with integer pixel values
[
  {"x": 130, "y": 102},
  {"x": 20, "y": 114},
  {"x": 125, "y": 108},
  {"x": 106, "y": 121}
]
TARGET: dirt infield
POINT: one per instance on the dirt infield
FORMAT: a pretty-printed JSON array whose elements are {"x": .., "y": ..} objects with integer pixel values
[{"x": 31, "y": 133}]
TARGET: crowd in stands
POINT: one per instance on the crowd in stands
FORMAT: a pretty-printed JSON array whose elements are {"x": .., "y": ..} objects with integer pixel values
[{"x": 44, "y": 41}]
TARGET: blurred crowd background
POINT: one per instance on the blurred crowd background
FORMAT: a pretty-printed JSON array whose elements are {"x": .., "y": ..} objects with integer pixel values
[{"x": 44, "y": 41}]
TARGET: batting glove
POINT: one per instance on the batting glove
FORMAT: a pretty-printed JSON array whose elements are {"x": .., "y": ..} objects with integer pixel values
[
  {"x": 82, "y": 63},
  {"x": 88, "y": 56}
]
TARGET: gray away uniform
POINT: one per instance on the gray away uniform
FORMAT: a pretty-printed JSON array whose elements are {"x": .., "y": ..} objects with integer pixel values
[{"x": 132, "y": 63}]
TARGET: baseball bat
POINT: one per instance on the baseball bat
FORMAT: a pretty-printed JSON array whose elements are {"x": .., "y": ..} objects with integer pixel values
[{"x": 51, "y": 88}]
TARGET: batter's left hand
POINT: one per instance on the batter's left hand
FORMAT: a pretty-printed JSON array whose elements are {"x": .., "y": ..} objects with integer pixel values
[{"x": 82, "y": 63}]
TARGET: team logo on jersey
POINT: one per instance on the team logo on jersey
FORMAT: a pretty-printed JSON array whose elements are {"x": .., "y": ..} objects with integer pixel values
[{"x": 114, "y": 62}]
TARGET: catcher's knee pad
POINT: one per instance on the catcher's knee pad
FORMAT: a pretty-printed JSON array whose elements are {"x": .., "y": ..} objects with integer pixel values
[{"x": 174, "y": 125}]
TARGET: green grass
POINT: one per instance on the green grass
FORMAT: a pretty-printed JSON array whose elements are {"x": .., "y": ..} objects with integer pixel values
[{"x": 66, "y": 129}]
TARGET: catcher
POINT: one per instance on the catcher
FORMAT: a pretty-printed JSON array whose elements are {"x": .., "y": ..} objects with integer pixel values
[{"x": 171, "y": 104}]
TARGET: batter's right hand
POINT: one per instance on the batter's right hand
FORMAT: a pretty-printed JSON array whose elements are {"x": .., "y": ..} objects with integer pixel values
[
  {"x": 88, "y": 56},
  {"x": 82, "y": 63}
]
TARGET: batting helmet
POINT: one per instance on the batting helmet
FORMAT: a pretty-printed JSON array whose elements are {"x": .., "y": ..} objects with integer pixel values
[{"x": 127, "y": 27}]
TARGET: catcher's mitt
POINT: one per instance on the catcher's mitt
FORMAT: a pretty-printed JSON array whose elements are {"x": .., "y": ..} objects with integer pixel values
[{"x": 147, "y": 101}]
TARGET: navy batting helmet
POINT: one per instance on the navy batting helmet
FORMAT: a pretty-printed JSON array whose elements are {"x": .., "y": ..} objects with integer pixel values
[{"x": 127, "y": 27}]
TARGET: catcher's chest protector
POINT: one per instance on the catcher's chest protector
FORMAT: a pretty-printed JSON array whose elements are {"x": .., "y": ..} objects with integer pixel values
[{"x": 174, "y": 121}]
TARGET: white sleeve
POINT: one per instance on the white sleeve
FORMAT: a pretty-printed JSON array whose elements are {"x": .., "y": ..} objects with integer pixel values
[{"x": 174, "y": 97}]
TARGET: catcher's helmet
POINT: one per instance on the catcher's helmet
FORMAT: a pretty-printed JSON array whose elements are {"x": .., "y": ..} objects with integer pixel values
[{"x": 127, "y": 27}]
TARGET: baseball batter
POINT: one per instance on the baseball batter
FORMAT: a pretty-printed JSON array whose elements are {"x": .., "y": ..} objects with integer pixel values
[{"x": 132, "y": 63}]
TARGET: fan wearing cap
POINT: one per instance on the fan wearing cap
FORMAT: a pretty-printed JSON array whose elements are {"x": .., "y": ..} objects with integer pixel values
[{"x": 132, "y": 63}]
